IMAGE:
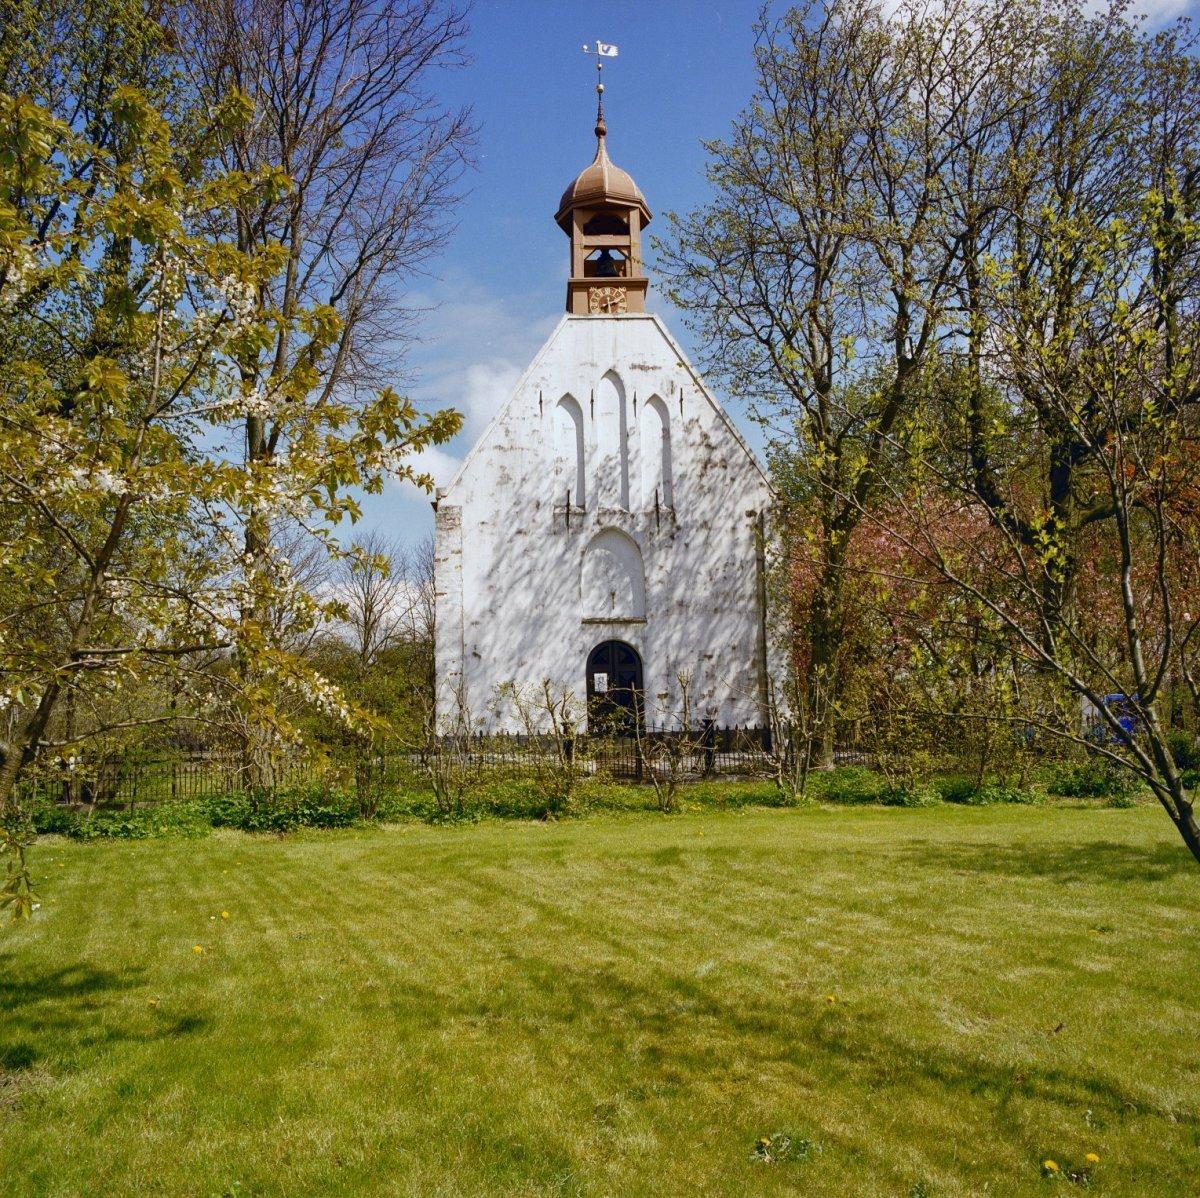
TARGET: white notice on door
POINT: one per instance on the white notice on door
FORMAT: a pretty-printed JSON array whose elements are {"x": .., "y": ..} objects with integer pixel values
[{"x": 600, "y": 682}]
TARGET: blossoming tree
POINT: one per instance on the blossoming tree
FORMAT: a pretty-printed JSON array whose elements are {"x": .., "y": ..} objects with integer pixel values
[{"x": 124, "y": 491}]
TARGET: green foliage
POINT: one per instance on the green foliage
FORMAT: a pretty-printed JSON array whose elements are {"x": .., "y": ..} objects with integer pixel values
[
  {"x": 249, "y": 811},
  {"x": 957, "y": 790},
  {"x": 968, "y": 793},
  {"x": 512, "y": 797},
  {"x": 160, "y": 819},
  {"x": 17, "y": 893},
  {"x": 523, "y": 798},
  {"x": 848, "y": 784},
  {"x": 1095, "y": 778},
  {"x": 908, "y": 794},
  {"x": 286, "y": 811},
  {"x": 1184, "y": 749}
]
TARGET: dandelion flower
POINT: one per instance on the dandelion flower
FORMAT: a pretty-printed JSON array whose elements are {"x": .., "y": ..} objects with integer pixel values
[
  {"x": 224, "y": 914},
  {"x": 1092, "y": 1158},
  {"x": 1050, "y": 1166},
  {"x": 197, "y": 948},
  {"x": 831, "y": 998},
  {"x": 152, "y": 1002}
]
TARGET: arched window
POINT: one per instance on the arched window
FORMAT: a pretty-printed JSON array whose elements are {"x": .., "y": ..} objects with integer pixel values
[
  {"x": 568, "y": 452},
  {"x": 612, "y": 443},
  {"x": 657, "y": 482},
  {"x": 613, "y": 583}
]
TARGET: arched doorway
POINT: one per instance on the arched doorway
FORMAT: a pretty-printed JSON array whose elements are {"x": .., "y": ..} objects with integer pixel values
[{"x": 614, "y": 688}]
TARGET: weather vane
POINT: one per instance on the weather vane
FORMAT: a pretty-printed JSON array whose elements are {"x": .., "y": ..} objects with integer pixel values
[{"x": 601, "y": 50}]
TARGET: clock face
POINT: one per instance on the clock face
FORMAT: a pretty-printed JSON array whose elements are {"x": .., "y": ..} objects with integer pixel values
[{"x": 606, "y": 301}]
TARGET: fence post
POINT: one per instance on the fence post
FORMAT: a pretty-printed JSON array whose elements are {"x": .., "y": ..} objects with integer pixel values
[{"x": 708, "y": 739}]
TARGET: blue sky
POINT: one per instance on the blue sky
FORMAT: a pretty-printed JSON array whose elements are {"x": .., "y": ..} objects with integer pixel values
[{"x": 684, "y": 71}]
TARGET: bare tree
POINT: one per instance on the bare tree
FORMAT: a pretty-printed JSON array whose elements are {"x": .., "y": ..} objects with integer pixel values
[
  {"x": 374, "y": 587},
  {"x": 343, "y": 104},
  {"x": 820, "y": 273},
  {"x": 670, "y": 755},
  {"x": 420, "y": 579},
  {"x": 369, "y": 161},
  {"x": 549, "y": 717}
]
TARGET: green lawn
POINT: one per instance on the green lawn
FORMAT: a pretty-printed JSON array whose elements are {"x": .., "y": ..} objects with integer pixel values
[{"x": 927, "y": 1002}]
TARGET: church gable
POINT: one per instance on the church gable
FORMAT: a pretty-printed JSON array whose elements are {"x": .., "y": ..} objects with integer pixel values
[{"x": 608, "y": 416}]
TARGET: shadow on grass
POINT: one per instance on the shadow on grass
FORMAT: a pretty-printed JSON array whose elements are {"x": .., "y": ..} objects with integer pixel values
[
  {"x": 673, "y": 1031},
  {"x": 1091, "y": 861},
  {"x": 596, "y": 982},
  {"x": 47, "y": 1011}
]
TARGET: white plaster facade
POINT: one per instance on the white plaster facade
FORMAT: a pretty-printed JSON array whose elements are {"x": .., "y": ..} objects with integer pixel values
[{"x": 610, "y": 498}]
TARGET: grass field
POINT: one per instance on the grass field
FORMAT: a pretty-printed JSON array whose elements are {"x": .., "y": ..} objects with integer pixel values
[{"x": 903, "y": 1002}]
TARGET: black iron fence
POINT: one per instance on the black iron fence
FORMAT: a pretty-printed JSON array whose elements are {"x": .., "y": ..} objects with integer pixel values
[
  {"x": 131, "y": 778},
  {"x": 706, "y": 751}
]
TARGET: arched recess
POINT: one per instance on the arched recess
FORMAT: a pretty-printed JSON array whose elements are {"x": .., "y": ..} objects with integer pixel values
[
  {"x": 658, "y": 483},
  {"x": 612, "y": 443},
  {"x": 613, "y": 581},
  {"x": 568, "y": 452}
]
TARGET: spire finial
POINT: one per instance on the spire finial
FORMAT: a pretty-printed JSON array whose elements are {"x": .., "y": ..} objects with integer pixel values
[
  {"x": 601, "y": 127},
  {"x": 601, "y": 50}
]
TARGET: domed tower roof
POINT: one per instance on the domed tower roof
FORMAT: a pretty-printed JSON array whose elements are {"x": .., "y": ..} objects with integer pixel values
[
  {"x": 603, "y": 213},
  {"x": 602, "y": 182}
]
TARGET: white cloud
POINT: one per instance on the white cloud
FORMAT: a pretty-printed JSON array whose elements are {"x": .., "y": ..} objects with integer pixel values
[
  {"x": 473, "y": 348},
  {"x": 486, "y": 386},
  {"x": 434, "y": 460},
  {"x": 1159, "y": 12}
]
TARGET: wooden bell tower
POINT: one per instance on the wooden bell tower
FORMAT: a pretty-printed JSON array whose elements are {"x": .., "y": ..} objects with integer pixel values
[{"x": 603, "y": 212}]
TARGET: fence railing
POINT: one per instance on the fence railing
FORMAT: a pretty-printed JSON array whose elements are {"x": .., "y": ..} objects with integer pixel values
[
  {"x": 133, "y": 778},
  {"x": 129, "y": 779},
  {"x": 707, "y": 750}
]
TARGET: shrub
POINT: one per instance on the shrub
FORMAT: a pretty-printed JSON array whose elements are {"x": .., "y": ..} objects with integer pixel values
[
  {"x": 957, "y": 790},
  {"x": 250, "y": 812},
  {"x": 908, "y": 794},
  {"x": 284, "y": 811},
  {"x": 56, "y": 819},
  {"x": 1184, "y": 749},
  {"x": 522, "y": 798},
  {"x": 848, "y": 784},
  {"x": 188, "y": 819},
  {"x": 1095, "y": 778},
  {"x": 964, "y": 791},
  {"x": 1002, "y": 792}
]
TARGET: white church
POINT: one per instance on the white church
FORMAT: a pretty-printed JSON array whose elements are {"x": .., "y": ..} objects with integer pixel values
[{"x": 606, "y": 533}]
